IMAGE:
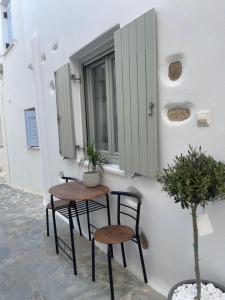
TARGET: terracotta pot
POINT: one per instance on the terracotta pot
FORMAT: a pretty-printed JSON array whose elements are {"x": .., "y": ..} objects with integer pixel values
[
  {"x": 91, "y": 179},
  {"x": 191, "y": 281}
]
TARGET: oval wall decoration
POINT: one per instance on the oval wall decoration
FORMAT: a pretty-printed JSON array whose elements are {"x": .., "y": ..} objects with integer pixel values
[
  {"x": 175, "y": 70},
  {"x": 178, "y": 114}
]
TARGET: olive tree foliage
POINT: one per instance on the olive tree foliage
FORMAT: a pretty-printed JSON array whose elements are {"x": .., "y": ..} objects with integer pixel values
[{"x": 194, "y": 180}]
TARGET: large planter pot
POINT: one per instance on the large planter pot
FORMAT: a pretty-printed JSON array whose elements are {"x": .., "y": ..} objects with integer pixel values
[
  {"x": 91, "y": 179},
  {"x": 191, "y": 281}
]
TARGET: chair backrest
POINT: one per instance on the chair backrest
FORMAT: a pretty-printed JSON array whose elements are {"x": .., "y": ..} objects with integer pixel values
[
  {"x": 131, "y": 211},
  {"x": 67, "y": 179}
]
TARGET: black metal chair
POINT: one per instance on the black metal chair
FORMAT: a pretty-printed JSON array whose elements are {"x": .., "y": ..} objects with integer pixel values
[
  {"x": 61, "y": 206},
  {"x": 119, "y": 234}
]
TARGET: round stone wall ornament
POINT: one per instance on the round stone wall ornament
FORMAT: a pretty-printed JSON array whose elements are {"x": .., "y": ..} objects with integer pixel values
[
  {"x": 175, "y": 70},
  {"x": 178, "y": 114}
]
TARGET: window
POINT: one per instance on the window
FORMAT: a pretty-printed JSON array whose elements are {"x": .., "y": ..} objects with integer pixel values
[
  {"x": 31, "y": 128},
  {"x": 7, "y": 23},
  {"x": 101, "y": 108},
  {"x": 121, "y": 117}
]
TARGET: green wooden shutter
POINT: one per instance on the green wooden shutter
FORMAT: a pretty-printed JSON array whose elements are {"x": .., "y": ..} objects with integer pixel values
[
  {"x": 135, "y": 55},
  {"x": 65, "y": 112}
]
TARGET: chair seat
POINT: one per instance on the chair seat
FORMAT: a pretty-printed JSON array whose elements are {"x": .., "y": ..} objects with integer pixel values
[
  {"x": 57, "y": 204},
  {"x": 114, "y": 234}
]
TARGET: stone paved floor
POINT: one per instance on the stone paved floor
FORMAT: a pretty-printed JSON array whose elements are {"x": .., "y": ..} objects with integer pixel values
[{"x": 30, "y": 269}]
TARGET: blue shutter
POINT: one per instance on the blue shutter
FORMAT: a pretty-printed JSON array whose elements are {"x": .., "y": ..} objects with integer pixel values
[{"x": 31, "y": 128}]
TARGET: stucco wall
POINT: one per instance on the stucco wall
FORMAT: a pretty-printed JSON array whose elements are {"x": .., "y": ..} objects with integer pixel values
[{"x": 191, "y": 29}]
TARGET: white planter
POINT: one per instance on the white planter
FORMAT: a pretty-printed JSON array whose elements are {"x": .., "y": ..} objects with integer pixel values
[
  {"x": 91, "y": 179},
  {"x": 186, "y": 290}
]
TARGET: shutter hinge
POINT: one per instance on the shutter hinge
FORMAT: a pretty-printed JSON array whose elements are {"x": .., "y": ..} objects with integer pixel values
[
  {"x": 79, "y": 148},
  {"x": 135, "y": 174},
  {"x": 5, "y": 15},
  {"x": 74, "y": 77}
]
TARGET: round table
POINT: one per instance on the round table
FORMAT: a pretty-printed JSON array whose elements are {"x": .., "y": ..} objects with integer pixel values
[{"x": 75, "y": 192}]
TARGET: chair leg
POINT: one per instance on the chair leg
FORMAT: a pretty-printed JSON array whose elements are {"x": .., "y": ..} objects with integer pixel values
[
  {"x": 93, "y": 258},
  {"x": 123, "y": 254},
  {"x": 110, "y": 271},
  {"x": 142, "y": 260},
  {"x": 78, "y": 219},
  {"x": 54, "y": 226},
  {"x": 72, "y": 240},
  {"x": 88, "y": 220},
  {"x": 109, "y": 216},
  {"x": 47, "y": 221}
]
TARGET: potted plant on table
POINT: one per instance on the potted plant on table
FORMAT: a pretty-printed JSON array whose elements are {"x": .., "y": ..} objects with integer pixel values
[
  {"x": 94, "y": 160},
  {"x": 194, "y": 180}
]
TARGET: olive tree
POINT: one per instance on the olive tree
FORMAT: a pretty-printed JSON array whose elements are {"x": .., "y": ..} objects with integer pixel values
[{"x": 194, "y": 180}]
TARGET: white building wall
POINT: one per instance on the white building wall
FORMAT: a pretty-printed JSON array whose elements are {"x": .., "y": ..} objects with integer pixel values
[
  {"x": 191, "y": 29},
  {"x": 24, "y": 168}
]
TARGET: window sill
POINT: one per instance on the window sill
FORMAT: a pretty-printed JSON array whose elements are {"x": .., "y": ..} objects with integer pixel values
[
  {"x": 9, "y": 48},
  {"x": 114, "y": 169},
  {"x": 32, "y": 148},
  {"x": 110, "y": 168}
]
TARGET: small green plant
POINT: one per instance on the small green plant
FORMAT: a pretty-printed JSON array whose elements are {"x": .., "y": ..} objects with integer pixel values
[
  {"x": 194, "y": 180},
  {"x": 94, "y": 158}
]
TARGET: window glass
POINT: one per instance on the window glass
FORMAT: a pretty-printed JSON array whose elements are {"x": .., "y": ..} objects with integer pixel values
[
  {"x": 100, "y": 107},
  {"x": 115, "y": 119}
]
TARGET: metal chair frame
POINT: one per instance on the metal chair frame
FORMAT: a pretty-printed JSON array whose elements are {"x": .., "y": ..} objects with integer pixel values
[{"x": 135, "y": 238}]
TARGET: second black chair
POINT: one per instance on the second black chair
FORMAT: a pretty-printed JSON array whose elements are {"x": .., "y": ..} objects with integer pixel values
[{"x": 119, "y": 234}]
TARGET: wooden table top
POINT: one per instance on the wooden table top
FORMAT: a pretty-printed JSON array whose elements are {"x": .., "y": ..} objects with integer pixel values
[{"x": 77, "y": 191}]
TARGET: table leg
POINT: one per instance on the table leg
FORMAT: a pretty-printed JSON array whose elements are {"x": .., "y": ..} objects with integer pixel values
[
  {"x": 78, "y": 219},
  {"x": 88, "y": 221},
  {"x": 72, "y": 239},
  {"x": 54, "y": 225}
]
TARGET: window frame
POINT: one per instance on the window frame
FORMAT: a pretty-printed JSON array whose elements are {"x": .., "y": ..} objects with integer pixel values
[
  {"x": 107, "y": 59},
  {"x": 98, "y": 48}
]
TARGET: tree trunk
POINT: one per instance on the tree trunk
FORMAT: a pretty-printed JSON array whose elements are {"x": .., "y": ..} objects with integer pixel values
[{"x": 195, "y": 235}]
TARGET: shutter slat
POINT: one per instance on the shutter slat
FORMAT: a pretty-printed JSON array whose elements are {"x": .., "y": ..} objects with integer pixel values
[
  {"x": 150, "y": 36},
  {"x": 65, "y": 112},
  {"x": 119, "y": 92},
  {"x": 134, "y": 96},
  {"x": 126, "y": 95},
  {"x": 135, "y": 55},
  {"x": 142, "y": 95}
]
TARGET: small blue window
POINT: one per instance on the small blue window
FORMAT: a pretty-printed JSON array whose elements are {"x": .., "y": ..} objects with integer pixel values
[{"x": 31, "y": 128}]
